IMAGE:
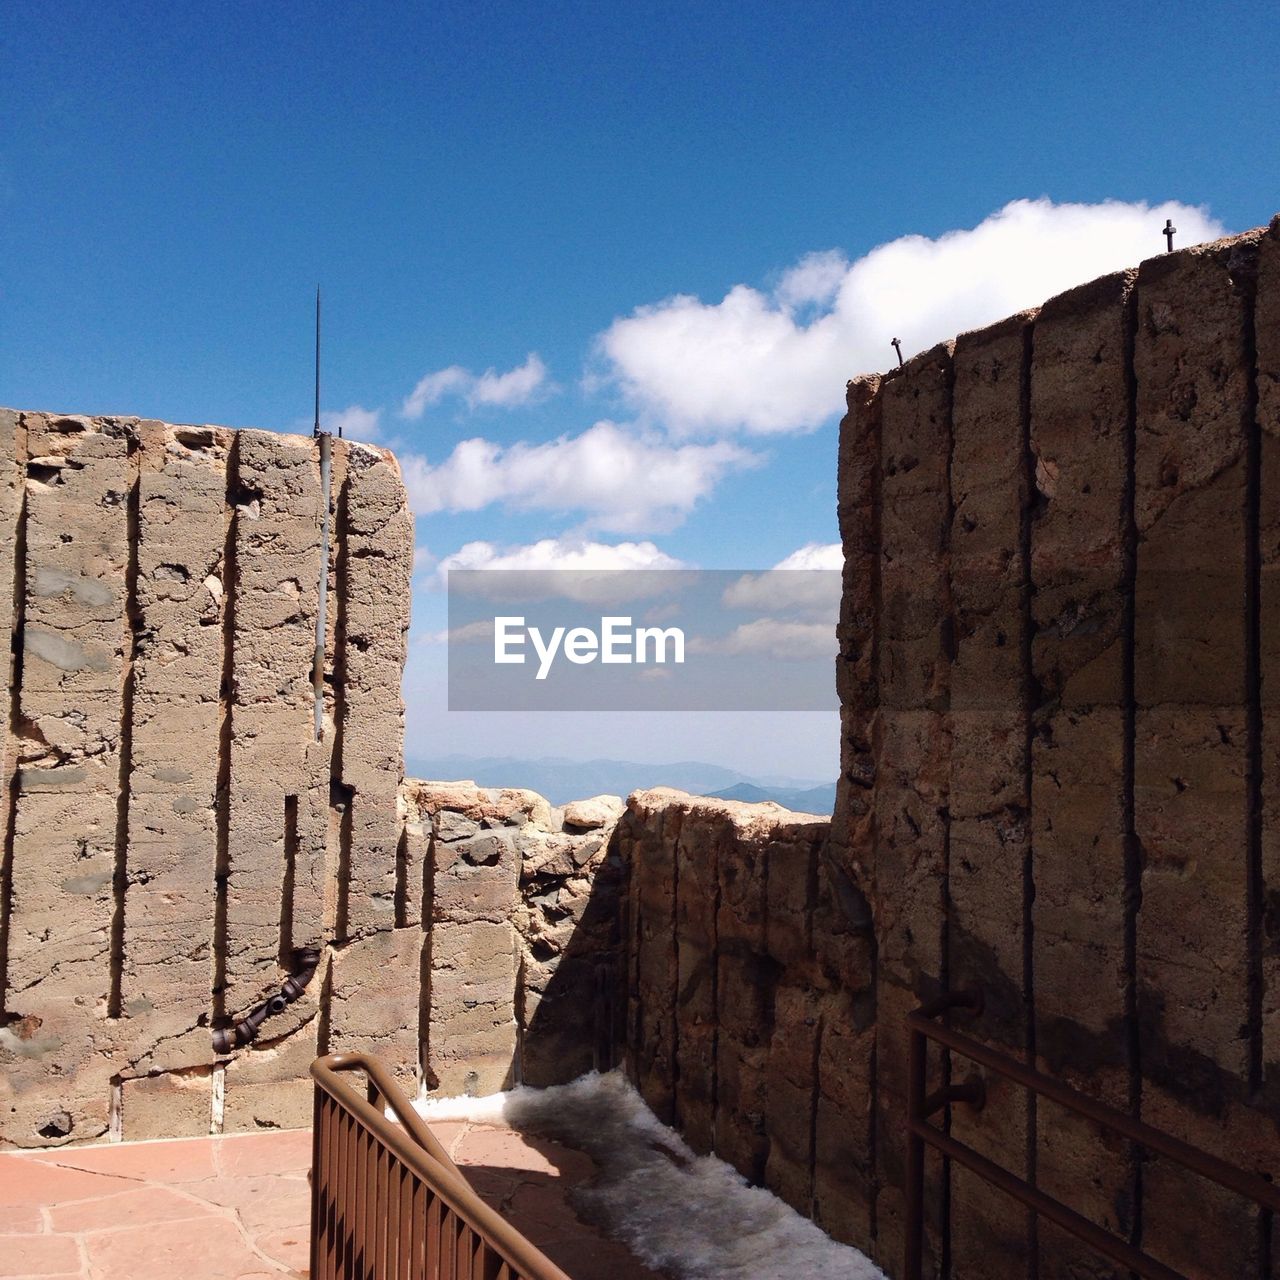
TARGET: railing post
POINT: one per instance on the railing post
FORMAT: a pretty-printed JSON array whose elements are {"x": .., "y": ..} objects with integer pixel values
[
  {"x": 916, "y": 1051},
  {"x": 317, "y": 1176}
]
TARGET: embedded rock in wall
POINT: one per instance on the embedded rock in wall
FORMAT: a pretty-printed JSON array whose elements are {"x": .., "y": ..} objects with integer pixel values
[{"x": 172, "y": 826}]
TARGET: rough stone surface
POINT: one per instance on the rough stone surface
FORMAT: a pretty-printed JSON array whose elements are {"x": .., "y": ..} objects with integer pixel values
[
  {"x": 913, "y": 742},
  {"x": 173, "y": 829},
  {"x": 170, "y": 1105},
  {"x": 522, "y": 971},
  {"x": 1192, "y": 689},
  {"x": 373, "y": 999},
  {"x": 67, "y": 714},
  {"x": 1080, "y": 576},
  {"x": 741, "y": 1023},
  {"x": 989, "y": 835},
  {"x": 177, "y": 703},
  {"x": 1267, "y": 338},
  {"x": 1057, "y": 675}
]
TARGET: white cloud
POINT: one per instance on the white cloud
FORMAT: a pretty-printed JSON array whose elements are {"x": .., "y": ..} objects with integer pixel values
[
  {"x": 595, "y": 572},
  {"x": 778, "y": 638},
  {"x": 806, "y": 582},
  {"x": 776, "y": 361},
  {"x": 625, "y": 483},
  {"x": 561, "y": 553},
  {"x": 519, "y": 386},
  {"x": 355, "y": 422},
  {"x": 815, "y": 279},
  {"x": 814, "y": 555}
]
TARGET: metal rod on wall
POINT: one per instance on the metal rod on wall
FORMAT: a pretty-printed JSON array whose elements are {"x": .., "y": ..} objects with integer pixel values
[{"x": 326, "y": 453}]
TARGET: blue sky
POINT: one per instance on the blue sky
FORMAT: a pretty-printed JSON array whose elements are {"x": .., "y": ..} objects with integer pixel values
[{"x": 477, "y": 184}]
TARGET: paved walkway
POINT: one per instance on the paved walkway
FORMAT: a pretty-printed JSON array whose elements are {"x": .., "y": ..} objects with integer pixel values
[{"x": 237, "y": 1207}]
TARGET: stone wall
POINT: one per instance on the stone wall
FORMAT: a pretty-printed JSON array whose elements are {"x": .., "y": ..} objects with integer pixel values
[
  {"x": 1060, "y": 648},
  {"x": 172, "y": 826},
  {"x": 521, "y": 942},
  {"x": 1059, "y": 652},
  {"x": 749, "y": 1020}
]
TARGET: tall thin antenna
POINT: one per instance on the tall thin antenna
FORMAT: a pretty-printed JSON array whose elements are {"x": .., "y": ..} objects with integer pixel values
[{"x": 316, "y": 429}]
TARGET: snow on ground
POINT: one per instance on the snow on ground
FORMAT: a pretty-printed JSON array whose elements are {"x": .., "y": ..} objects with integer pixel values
[{"x": 692, "y": 1216}]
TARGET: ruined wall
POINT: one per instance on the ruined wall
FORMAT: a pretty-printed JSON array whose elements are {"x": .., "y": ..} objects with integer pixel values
[
  {"x": 521, "y": 963},
  {"x": 1060, "y": 650}
]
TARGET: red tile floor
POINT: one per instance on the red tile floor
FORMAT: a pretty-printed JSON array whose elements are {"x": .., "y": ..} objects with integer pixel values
[{"x": 236, "y": 1207}]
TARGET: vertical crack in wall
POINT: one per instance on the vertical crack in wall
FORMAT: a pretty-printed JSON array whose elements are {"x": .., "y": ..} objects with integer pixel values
[
  {"x": 635, "y": 994},
  {"x": 427, "y": 917},
  {"x": 400, "y": 904},
  {"x": 288, "y": 878},
  {"x": 815, "y": 1074},
  {"x": 675, "y": 1121},
  {"x": 774, "y": 973},
  {"x": 9, "y": 801},
  {"x": 132, "y": 623},
  {"x": 324, "y": 1012},
  {"x": 1031, "y": 700},
  {"x": 715, "y": 992},
  {"x": 1132, "y": 847},
  {"x": 322, "y": 588},
  {"x": 518, "y": 1012},
  {"x": 226, "y": 692},
  {"x": 341, "y": 796}
]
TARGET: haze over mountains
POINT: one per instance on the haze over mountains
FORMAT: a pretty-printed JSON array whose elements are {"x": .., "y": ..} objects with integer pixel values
[{"x": 562, "y": 780}]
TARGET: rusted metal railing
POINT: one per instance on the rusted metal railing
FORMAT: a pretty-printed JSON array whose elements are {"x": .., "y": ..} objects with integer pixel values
[
  {"x": 922, "y": 1027},
  {"x": 387, "y": 1203}
]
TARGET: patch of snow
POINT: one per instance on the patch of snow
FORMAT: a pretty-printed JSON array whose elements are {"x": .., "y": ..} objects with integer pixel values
[{"x": 693, "y": 1216}]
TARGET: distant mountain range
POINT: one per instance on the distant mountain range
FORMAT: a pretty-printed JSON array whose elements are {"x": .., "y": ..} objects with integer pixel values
[
  {"x": 820, "y": 799},
  {"x": 562, "y": 780}
]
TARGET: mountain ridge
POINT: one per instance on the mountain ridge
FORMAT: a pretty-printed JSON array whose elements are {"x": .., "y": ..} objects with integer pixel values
[{"x": 560, "y": 779}]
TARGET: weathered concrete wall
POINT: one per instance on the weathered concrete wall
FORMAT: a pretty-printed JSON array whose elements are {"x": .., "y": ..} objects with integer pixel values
[
  {"x": 1056, "y": 627},
  {"x": 750, "y": 1006},
  {"x": 172, "y": 828},
  {"x": 1059, "y": 647}
]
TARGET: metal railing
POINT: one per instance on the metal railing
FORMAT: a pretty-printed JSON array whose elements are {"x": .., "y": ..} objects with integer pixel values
[
  {"x": 387, "y": 1202},
  {"x": 922, "y": 1027}
]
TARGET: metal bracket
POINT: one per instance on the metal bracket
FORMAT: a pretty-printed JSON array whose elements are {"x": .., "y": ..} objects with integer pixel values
[{"x": 972, "y": 1092}]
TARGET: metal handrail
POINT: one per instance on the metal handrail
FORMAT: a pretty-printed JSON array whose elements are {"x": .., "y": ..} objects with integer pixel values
[
  {"x": 922, "y": 1027},
  {"x": 387, "y": 1202}
]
